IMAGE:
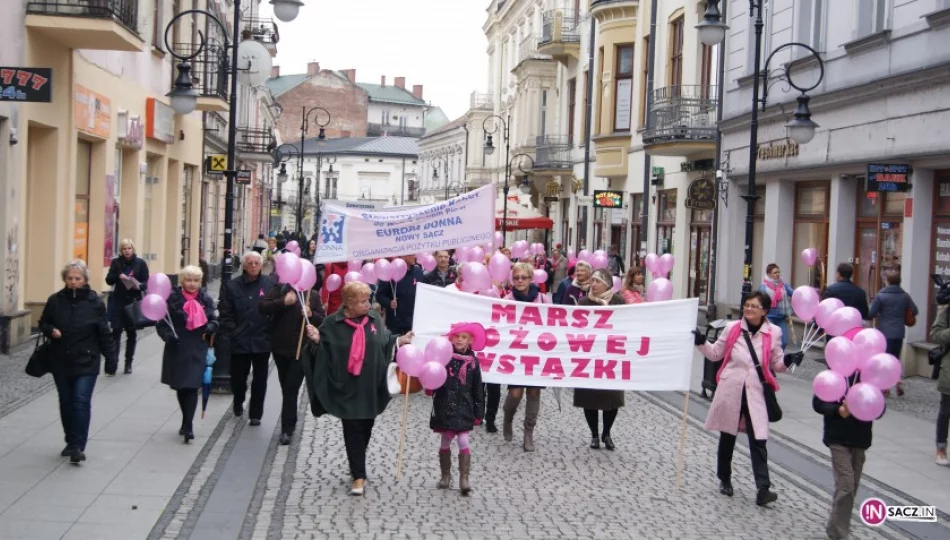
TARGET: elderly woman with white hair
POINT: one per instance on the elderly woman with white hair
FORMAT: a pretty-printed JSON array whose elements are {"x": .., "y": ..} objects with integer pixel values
[
  {"x": 127, "y": 275},
  {"x": 194, "y": 322},
  {"x": 75, "y": 319}
]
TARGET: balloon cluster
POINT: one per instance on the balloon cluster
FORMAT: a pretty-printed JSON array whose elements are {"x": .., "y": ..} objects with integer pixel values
[
  {"x": 155, "y": 304},
  {"x": 853, "y": 349},
  {"x": 661, "y": 288},
  {"x": 293, "y": 247},
  {"x": 370, "y": 273},
  {"x": 428, "y": 365}
]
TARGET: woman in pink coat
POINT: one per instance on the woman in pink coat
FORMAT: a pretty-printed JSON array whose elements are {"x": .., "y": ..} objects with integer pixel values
[{"x": 739, "y": 402}]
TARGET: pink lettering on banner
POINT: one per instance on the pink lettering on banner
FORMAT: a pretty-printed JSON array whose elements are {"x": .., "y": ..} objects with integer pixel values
[
  {"x": 616, "y": 344},
  {"x": 500, "y": 310},
  {"x": 581, "y": 342},
  {"x": 531, "y": 315},
  {"x": 580, "y": 319},
  {"x": 520, "y": 336},
  {"x": 644, "y": 346},
  {"x": 557, "y": 316},
  {"x": 529, "y": 363},
  {"x": 492, "y": 337},
  {"x": 552, "y": 368},
  {"x": 485, "y": 360},
  {"x": 604, "y": 369},
  {"x": 625, "y": 370},
  {"x": 547, "y": 342},
  {"x": 507, "y": 365},
  {"x": 603, "y": 319},
  {"x": 580, "y": 364}
]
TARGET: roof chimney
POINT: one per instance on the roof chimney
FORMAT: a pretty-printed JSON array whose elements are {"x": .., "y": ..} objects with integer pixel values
[
  {"x": 400, "y": 82},
  {"x": 274, "y": 72},
  {"x": 313, "y": 68},
  {"x": 417, "y": 90},
  {"x": 382, "y": 80},
  {"x": 350, "y": 74}
]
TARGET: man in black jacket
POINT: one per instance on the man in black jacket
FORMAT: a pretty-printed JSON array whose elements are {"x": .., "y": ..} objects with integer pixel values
[
  {"x": 400, "y": 307},
  {"x": 442, "y": 275},
  {"x": 846, "y": 291},
  {"x": 848, "y": 439},
  {"x": 246, "y": 333}
]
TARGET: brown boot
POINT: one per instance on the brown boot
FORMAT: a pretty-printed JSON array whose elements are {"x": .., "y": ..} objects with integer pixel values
[
  {"x": 465, "y": 465},
  {"x": 530, "y": 420},
  {"x": 510, "y": 408},
  {"x": 445, "y": 463}
]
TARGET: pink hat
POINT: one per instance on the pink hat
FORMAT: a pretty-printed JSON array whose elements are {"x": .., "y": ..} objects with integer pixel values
[{"x": 475, "y": 329}]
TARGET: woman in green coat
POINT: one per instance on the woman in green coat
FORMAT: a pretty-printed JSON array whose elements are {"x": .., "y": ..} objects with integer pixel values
[
  {"x": 345, "y": 365},
  {"x": 940, "y": 334}
]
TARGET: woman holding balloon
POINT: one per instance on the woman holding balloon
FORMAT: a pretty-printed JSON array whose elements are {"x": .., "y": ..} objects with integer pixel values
[
  {"x": 346, "y": 367},
  {"x": 187, "y": 331},
  {"x": 128, "y": 275}
]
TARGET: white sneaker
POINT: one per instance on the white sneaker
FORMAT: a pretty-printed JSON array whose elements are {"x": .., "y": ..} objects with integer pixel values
[{"x": 942, "y": 459}]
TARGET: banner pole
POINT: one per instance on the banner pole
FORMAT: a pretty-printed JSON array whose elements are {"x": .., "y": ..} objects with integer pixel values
[
  {"x": 402, "y": 435},
  {"x": 679, "y": 457}
]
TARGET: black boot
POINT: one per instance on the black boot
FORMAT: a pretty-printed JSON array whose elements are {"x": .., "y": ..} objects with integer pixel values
[
  {"x": 490, "y": 427},
  {"x": 764, "y": 497},
  {"x": 128, "y": 367},
  {"x": 725, "y": 487}
]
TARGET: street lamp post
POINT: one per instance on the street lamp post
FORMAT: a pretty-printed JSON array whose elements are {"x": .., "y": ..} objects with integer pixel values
[
  {"x": 443, "y": 161},
  {"x": 321, "y": 140},
  {"x": 801, "y": 128},
  {"x": 281, "y": 158},
  {"x": 489, "y": 150}
]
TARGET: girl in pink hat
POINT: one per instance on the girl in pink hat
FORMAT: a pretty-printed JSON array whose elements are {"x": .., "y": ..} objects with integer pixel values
[{"x": 459, "y": 404}]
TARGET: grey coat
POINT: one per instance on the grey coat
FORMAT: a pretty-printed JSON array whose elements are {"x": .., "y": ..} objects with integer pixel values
[
  {"x": 183, "y": 362},
  {"x": 602, "y": 400},
  {"x": 889, "y": 306}
]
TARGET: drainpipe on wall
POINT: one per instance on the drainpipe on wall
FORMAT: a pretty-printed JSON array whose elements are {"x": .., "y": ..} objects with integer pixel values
[
  {"x": 711, "y": 311},
  {"x": 588, "y": 125},
  {"x": 402, "y": 195},
  {"x": 647, "y": 162}
]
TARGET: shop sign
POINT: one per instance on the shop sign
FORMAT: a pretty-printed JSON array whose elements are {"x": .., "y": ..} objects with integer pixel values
[
  {"x": 786, "y": 149},
  {"x": 608, "y": 199},
  {"x": 888, "y": 178},
  {"x": 701, "y": 194},
  {"x": 698, "y": 165},
  {"x": 26, "y": 85},
  {"x": 941, "y": 249},
  {"x": 216, "y": 164},
  {"x": 243, "y": 177},
  {"x": 159, "y": 121},
  {"x": 658, "y": 172},
  {"x": 92, "y": 112},
  {"x": 584, "y": 200},
  {"x": 131, "y": 131}
]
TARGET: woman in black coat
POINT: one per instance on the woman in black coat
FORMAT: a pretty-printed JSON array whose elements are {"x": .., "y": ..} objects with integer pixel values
[
  {"x": 186, "y": 348},
  {"x": 127, "y": 275},
  {"x": 75, "y": 319}
]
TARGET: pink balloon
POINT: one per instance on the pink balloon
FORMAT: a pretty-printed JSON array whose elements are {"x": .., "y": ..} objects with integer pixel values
[
  {"x": 334, "y": 282},
  {"x": 666, "y": 264},
  {"x": 490, "y": 293},
  {"x": 439, "y": 350},
  {"x": 841, "y": 356},
  {"x": 865, "y": 402},
  {"x": 410, "y": 358},
  {"x": 519, "y": 249},
  {"x": 598, "y": 262},
  {"x": 369, "y": 273},
  {"x": 809, "y": 256},
  {"x": 296, "y": 251},
  {"x": 842, "y": 320},
  {"x": 584, "y": 255},
  {"x": 292, "y": 245},
  {"x": 350, "y": 277},
  {"x": 600, "y": 252},
  {"x": 540, "y": 276},
  {"x": 498, "y": 267},
  {"x": 617, "y": 284},
  {"x": 288, "y": 268},
  {"x": 867, "y": 343},
  {"x": 475, "y": 277},
  {"x": 499, "y": 239},
  {"x": 428, "y": 262},
  {"x": 462, "y": 254},
  {"x": 384, "y": 270},
  {"x": 399, "y": 269},
  {"x": 154, "y": 307},
  {"x": 829, "y": 386},
  {"x": 477, "y": 254},
  {"x": 432, "y": 375},
  {"x": 650, "y": 262},
  {"x": 572, "y": 262},
  {"x": 849, "y": 335},
  {"x": 571, "y": 254},
  {"x": 660, "y": 290},
  {"x": 539, "y": 249},
  {"x": 805, "y": 302},
  {"x": 159, "y": 284},
  {"x": 354, "y": 265},
  {"x": 881, "y": 371},
  {"x": 826, "y": 308},
  {"x": 308, "y": 277}
]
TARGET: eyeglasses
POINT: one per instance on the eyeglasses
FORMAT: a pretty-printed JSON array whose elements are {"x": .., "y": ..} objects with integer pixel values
[
  {"x": 751, "y": 307},
  {"x": 520, "y": 278}
]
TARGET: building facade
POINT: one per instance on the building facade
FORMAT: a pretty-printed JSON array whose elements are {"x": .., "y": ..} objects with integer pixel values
[
  {"x": 875, "y": 109},
  {"x": 393, "y": 110}
]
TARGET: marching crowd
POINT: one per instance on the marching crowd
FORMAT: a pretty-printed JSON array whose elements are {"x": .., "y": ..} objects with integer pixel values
[{"x": 341, "y": 343}]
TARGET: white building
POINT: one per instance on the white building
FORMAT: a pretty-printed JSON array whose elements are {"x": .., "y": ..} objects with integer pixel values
[
  {"x": 395, "y": 111},
  {"x": 884, "y": 100}
]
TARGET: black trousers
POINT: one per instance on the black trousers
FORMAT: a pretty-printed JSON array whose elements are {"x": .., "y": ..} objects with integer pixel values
[
  {"x": 356, "y": 435},
  {"x": 493, "y": 392},
  {"x": 130, "y": 341},
  {"x": 188, "y": 401},
  {"x": 760, "y": 455},
  {"x": 290, "y": 374},
  {"x": 240, "y": 368}
]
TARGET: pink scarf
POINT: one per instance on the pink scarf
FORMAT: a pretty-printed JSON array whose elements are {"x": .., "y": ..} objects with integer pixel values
[
  {"x": 778, "y": 290},
  {"x": 194, "y": 312},
  {"x": 734, "y": 333},
  {"x": 467, "y": 360},
  {"x": 357, "y": 347}
]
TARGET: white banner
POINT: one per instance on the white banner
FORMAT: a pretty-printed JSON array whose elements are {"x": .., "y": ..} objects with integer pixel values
[
  {"x": 645, "y": 347},
  {"x": 349, "y": 233}
]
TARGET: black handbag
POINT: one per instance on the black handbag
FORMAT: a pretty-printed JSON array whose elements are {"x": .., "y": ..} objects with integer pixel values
[
  {"x": 133, "y": 317},
  {"x": 771, "y": 401},
  {"x": 41, "y": 361}
]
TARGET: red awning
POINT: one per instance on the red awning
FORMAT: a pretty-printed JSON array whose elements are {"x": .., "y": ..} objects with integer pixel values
[{"x": 520, "y": 224}]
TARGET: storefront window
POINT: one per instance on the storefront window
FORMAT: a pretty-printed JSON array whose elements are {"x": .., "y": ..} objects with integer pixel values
[
  {"x": 940, "y": 238},
  {"x": 879, "y": 237},
  {"x": 666, "y": 221},
  {"x": 811, "y": 231},
  {"x": 81, "y": 211},
  {"x": 636, "y": 217},
  {"x": 700, "y": 239}
]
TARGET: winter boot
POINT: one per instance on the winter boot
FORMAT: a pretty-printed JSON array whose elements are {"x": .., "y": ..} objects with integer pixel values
[
  {"x": 530, "y": 420},
  {"x": 465, "y": 465},
  {"x": 510, "y": 408},
  {"x": 445, "y": 463}
]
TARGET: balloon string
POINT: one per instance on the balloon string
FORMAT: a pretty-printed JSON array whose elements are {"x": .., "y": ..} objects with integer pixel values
[
  {"x": 392, "y": 286},
  {"x": 303, "y": 304},
  {"x": 171, "y": 326}
]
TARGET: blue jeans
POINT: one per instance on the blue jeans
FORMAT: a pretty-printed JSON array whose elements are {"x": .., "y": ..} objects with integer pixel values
[
  {"x": 75, "y": 407},
  {"x": 783, "y": 324}
]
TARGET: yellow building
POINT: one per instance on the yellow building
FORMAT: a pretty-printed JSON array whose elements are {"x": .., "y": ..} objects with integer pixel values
[{"x": 105, "y": 159}]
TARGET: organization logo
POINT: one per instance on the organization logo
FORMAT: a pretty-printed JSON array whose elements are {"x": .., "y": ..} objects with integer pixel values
[
  {"x": 331, "y": 229},
  {"x": 874, "y": 512}
]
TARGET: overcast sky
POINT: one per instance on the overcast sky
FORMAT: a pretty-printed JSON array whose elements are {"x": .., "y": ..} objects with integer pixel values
[{"x": 436, "y": 43}]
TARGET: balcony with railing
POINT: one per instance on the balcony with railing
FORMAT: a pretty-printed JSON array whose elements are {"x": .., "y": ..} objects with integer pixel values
[
  {"x": 385, "y": 130},
  {"x": 209, "y": 74},
  {"x": 255, "y": 144},
  {"x": 560, "y": 35},
  {"x": 481, "y": 102},
  {"x": 552, "y": 153},
  {"x": 107, "y": 25},
  {"x": 528, "y": 50},
  {"x": 216, "y": 129},
  {"x": 681, "y": 120},
  {"x": 263, "y": 31}
]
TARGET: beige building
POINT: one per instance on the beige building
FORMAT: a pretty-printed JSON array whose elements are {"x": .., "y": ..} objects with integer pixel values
[{"x": 104, "y": 158}]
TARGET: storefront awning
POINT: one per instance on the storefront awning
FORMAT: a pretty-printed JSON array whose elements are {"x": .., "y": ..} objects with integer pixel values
[{"x": 520, "y": 218}]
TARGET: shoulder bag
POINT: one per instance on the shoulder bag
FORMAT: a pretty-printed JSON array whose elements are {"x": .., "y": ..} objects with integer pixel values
[
  {"x": 41, "y": 361},
  {"x": 771, "y": 401},
  {"x": 909, "y": 318},
  {"x": 133, "y": 316}
]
